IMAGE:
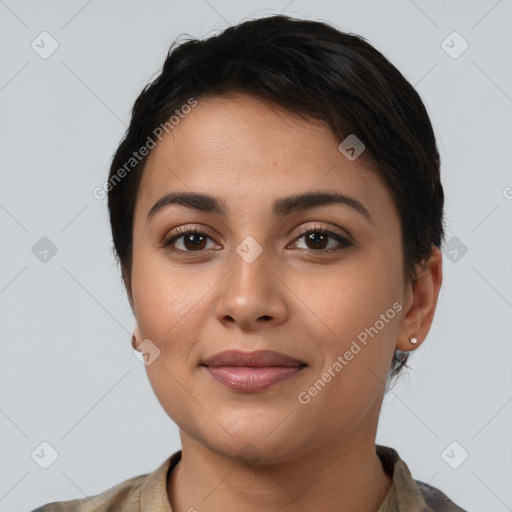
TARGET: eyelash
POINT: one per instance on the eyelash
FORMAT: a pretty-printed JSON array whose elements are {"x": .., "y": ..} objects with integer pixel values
[{"x": 181, "y": 232}]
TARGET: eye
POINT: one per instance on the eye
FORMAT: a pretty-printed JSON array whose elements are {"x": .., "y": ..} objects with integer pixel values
[
  {"x": 318, "y": 239},
  {"x": 190, "y": 239}
]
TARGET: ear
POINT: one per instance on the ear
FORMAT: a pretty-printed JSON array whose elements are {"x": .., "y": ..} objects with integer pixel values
[
  {"x": 136, "y": 337},
  {"x": 420, "y": 303},
  {"x": 128, "y": 289}
]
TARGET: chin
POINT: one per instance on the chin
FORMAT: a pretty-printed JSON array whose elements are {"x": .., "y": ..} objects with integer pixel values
[{"x": 255, "y": 446}]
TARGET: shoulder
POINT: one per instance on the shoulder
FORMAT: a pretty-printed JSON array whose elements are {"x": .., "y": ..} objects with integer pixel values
[
  {"x": 436, "y": 499},
  {"x": 412, "y": 495},
  {"x": 135, "y": 494},
  {"x": 114, "y": 498}
]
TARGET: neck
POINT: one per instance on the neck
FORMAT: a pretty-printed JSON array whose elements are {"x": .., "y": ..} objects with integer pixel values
[{"x": 348, "y": 476}]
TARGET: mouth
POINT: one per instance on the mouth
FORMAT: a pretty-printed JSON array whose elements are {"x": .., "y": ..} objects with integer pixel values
[{"x": 252, "y": 371}]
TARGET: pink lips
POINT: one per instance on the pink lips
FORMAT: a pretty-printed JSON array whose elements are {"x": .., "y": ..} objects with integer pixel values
[{"x": 251, "y": 371}]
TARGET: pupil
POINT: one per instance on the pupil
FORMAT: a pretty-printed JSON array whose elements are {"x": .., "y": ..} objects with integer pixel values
[
  {"x": 198, "y": 241},
  {"x": 313, "y": 237}
]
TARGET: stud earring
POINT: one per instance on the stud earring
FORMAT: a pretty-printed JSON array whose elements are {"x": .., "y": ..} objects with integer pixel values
[{"x": 413, "y": 341}]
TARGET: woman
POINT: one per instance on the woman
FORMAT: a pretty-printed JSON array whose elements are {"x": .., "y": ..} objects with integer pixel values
[{"x": 277, "y": 212}]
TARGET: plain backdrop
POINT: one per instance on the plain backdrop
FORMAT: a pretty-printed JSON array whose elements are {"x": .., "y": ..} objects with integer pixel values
[{"x": 68, "y": 377}]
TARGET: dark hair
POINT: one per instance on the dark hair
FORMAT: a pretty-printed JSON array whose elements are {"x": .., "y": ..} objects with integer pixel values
[{"x": 313, "y": 70}]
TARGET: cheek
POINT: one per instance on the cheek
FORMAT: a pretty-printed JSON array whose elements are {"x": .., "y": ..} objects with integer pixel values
[
  {"x": 352, "y": 298},
  {"x": 357, "y": 351},
  {"x": 171, "y": 306},
  {"x": 164, "y": 293},
  {"x": 335, "y": 310},
  {"x": 359, "y": 310}
]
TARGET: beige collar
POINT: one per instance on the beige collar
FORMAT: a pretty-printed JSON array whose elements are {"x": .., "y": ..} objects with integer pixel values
[{"x": 404, "y": 494}]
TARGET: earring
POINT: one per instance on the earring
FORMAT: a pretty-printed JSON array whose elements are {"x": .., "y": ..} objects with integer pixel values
[{"x": 413, "y": 341}]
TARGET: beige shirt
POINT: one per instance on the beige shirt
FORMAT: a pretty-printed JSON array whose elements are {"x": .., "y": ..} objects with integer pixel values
[{"x": 148, "y": 493}]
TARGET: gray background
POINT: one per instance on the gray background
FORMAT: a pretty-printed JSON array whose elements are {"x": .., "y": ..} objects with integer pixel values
[{"x": 68, "y": 375}]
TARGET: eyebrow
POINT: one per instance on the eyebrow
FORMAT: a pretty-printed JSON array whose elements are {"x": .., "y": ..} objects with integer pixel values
[{"x": 280, "y": 208}]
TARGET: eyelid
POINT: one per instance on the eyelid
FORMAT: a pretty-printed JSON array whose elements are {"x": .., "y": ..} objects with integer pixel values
[
  {"x": 345, "y": 235},
  {"x": 180, "y": 231},
  {"x": 345, "y": 241},
  {"x": 195, "y": 229}
]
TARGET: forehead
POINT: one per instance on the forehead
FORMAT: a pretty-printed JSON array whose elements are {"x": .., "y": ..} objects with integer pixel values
[{"x": 250, "y": 152}]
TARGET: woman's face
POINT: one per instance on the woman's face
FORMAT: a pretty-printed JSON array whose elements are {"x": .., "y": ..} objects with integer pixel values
[{"x": 254, "y": 280}]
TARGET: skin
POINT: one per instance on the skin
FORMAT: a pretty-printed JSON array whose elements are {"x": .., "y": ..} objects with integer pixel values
[{"x": 310, "y": 305}]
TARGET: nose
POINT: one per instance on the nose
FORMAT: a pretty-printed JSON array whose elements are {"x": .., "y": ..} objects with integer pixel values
[{"x": 252, "y": 295}]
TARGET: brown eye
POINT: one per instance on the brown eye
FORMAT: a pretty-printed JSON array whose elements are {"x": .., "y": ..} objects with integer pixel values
[
  {"x": 195, "y": 240},
  {"x": 190, "y": 240},
  {"x": 323, "y": 241},
  {"x": 317, "y": 240}
]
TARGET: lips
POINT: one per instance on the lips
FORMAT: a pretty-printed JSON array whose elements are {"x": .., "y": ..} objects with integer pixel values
[
  {"x": 251, "y": 371},
  {"x": 257, "y": 359}
]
